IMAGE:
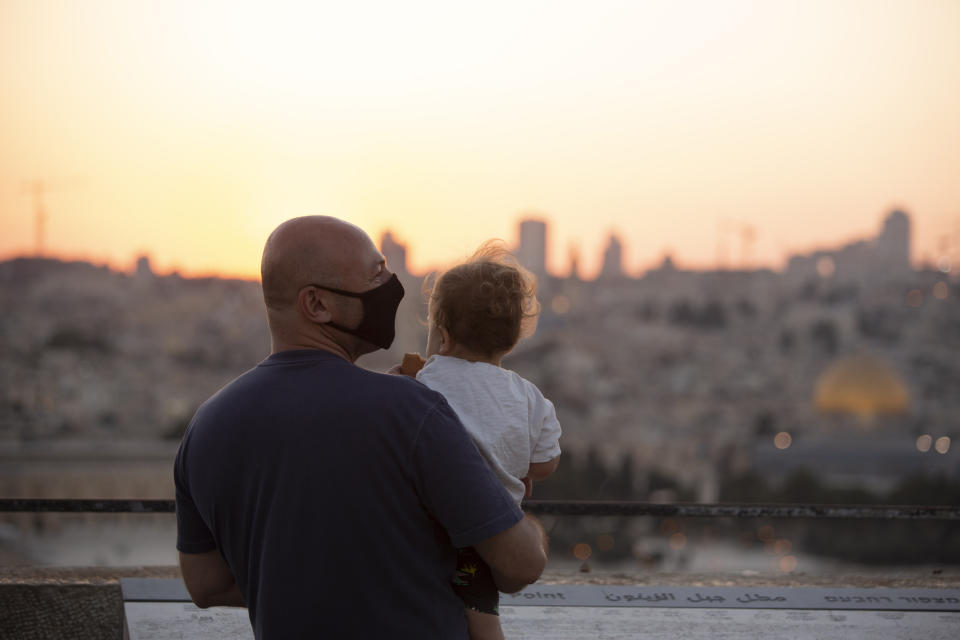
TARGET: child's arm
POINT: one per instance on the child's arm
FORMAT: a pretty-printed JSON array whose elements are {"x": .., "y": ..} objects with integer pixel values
[
  {"x": 542, "y": 470},
  {"x": 545, "y": 430},
  {"x": 538, "y": 471}
]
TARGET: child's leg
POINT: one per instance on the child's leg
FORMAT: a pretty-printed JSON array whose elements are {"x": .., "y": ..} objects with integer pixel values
[
  {"x": 483, "y": 626},
  {"x": 473, "y": 582}
]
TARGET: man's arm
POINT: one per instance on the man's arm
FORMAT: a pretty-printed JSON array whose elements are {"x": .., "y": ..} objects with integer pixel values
[
  {"x": 209, "y": 580},
  {"x": 460, "y": 491},
  {"x": 516, "y": 556}
]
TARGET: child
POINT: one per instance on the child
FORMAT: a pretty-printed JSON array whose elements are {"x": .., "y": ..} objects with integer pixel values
[{"x": 478, "y": 312}]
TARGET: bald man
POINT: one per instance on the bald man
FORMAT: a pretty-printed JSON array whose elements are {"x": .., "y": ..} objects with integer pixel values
[{"x": 327, "y": 498}]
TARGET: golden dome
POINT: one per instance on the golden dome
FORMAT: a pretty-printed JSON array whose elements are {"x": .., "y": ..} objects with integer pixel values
[{"x": 862, "y": 385}]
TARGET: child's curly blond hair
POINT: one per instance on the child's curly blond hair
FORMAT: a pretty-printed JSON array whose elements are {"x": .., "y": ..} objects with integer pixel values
[{"x": 488, "y": 303}]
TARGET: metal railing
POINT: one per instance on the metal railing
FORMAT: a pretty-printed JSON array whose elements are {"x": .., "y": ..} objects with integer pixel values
[{"x": 562, "y": 508}]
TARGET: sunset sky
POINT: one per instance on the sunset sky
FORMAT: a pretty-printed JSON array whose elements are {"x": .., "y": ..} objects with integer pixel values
[{"x": 188, "y": 130}]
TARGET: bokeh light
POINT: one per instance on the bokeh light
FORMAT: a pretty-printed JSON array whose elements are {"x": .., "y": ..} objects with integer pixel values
[
  {"x": 678, "y": 541},
  {"x": 782, "y": 440},
  {"x": 582, "y": 551},
  {"x": 924, "y": 443},
  {"x": 788, "y": 564},
  {"x": 915, "y": 297},
  {"x": 826, "y": 267},
  {"x": 941, "y": 291},
  {"x": 942, "y": 445},
  {"x": 605, "y": 542},
  {"x": 782, "y": 547},
  {"x": 560, "y": 305},
  {"x": 668, "y": 526}
]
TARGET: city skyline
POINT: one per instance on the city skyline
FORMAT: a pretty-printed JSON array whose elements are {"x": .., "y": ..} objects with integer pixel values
[
  {"x": 709, "y": 130},
  {"x": 859, "y": 255}
]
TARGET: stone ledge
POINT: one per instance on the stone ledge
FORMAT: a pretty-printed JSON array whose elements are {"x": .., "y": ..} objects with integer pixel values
[
  {"x": 81, "y": 575},
  {"x": 40, "y": 603},
  {"x": 905, "y": 578},
  {"x": 37, "y": 603},
  {"x": 37, "y": 611}
]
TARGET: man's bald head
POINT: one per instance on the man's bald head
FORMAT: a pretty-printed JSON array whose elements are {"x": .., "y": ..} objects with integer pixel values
[{"x": 310, "y": 249}]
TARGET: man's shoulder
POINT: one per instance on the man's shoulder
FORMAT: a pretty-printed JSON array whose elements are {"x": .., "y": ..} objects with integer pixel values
[
  {"x": 346, "y": 382},
  {"x": 397, "y": 383},
  {"x": 222, "y": 395},
  {"x": 366, "y": 396}
]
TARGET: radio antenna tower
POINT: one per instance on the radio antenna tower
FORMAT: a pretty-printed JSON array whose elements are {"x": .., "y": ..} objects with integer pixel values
[{"x": 37, "y": 189}]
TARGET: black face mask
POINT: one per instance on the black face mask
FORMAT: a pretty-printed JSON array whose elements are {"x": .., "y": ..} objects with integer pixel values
[{"x": 379, "y": 312}]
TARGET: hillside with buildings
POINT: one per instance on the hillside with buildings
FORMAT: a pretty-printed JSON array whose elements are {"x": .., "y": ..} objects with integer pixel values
[{"x": 845, "y": 364}]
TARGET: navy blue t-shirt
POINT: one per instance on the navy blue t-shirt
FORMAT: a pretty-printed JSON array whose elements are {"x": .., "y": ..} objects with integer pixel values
[{"x": 337, "y": 497}]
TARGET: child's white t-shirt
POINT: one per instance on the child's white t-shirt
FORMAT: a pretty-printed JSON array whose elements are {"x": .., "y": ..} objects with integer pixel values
[{"x": 510, "y": 421}]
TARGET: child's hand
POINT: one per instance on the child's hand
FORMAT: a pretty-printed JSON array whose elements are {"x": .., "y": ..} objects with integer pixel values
[
  {"x": 528, "y": 487},
  {"x": 412, "y": 363}
]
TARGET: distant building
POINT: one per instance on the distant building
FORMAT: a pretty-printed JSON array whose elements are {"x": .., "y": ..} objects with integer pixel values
[
  {"x": 893, "y": 244},
  {"x": 409, "y": 325},
  {"x": 863, "y": 262},
  {"x": 574, "y": 263},
  {"x": 862, "y": 435},
  {"x": 862, "y": 385},
  {"x": 668, "y": 266},
  {"x": 669, "y": 283},
  {"x": 532, "y": 252},
  {"x": 143, "y": 270},
  {"x": 394, "y": 253},
  {"x": 612, "y": 259}
]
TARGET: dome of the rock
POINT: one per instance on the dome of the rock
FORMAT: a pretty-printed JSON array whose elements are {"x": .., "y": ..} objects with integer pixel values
[{"x": 862, "y": 385}]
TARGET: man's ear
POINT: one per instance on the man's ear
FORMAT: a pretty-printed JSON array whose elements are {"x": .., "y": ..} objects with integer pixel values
[
  {"x": 311, "y": 305},
  {"x": 446, "y": 344}
]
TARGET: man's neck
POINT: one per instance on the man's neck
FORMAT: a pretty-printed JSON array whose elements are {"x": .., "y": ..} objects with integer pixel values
[{"x": 280, "y": 343}]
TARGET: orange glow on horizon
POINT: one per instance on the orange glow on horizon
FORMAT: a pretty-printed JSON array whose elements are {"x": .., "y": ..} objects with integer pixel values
[{"x": 189, "y": 130}]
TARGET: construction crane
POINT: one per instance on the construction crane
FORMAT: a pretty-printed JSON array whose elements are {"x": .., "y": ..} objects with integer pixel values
[{"x": 747, "y": 235}]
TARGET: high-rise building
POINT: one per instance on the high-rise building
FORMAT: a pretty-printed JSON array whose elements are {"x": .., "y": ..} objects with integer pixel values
[
  {"x": 143, "y": 269},
  {"x": 612, "y": 258},
  {"x": 394, "y": 253},
  {"x": 574, "y": 263},
  {"x": 532, "y": 252},
  {"x": 893, "y": 243}
]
